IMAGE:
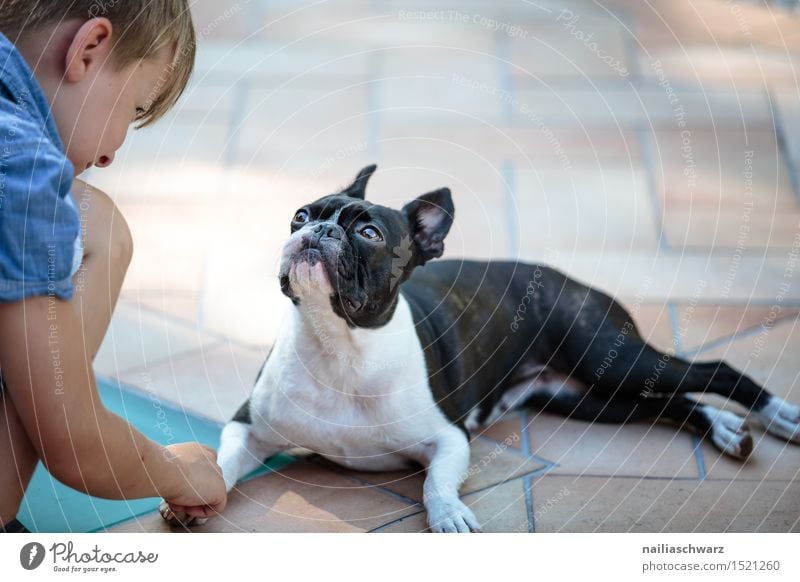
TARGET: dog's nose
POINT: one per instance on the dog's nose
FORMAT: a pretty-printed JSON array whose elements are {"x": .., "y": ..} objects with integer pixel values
[{"x": 328, "y": 230}]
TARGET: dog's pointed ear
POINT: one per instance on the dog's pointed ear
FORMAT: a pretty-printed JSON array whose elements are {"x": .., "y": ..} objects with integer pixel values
[
  {"x": 430, "y": 217},
  {"x": 359, "y": 185}
]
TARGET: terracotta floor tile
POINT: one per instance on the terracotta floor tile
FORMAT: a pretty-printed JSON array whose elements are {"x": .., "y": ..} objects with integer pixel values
[
  {"x": 585, "y": 103},
  {"x": 299, "y": 498},
  {"x": 490, "y": 463},
  {"x": 139, "y": 338},
  {"x": 182, "y": 306},
  {"x": 698, "y": 325},
  {"x": 597, "y": 504},
  {"x": 601, "y": 209},
  {"x": 504, "y": 430},
  {"x": 768, "y": 356},
  {"x": 772, "y": 459},
  {"x": 498, "y": 509},
  {"x": 212, "y": 382},
  {"x": 653, "y": 322},
  {"x": 636, "y": 449},
  {"x": 343, "y": 140},
  {"x": 732, "y": 69},
  {"x": 276, "y": 61},
  {"x": 526, "y": 144},
  {"x": 737, "y": 192},
  {"x": 444, "y": 96},
  {"x": 171, "y": 241},
  {"x": 671, "y": 276},
  {"x": 557, "y": 47},
  {"x": 226, "y": 19}
]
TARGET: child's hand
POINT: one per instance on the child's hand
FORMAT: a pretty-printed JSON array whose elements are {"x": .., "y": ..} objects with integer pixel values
[{"x": 199, "y": 489}]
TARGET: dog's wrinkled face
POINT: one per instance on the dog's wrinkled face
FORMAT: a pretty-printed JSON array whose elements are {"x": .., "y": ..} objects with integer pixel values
[{"x": 355, "y": 254}]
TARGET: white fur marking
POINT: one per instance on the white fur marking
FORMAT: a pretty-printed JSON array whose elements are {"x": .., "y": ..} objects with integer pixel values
[
  {"x": 781, "y": 419},
  {"x": 729, "y": 432}
]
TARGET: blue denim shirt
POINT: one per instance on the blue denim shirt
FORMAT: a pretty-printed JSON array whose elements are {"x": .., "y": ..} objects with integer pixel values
[{"x": 38, "y": 219}]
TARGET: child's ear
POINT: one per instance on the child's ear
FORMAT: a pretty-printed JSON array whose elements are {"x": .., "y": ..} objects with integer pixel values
[
  {"x": 429, "y": 218},
  {"x": 90, "y": 47}
]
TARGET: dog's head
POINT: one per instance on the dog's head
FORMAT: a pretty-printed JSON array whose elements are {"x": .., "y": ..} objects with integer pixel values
[{"x": 356, "y": 254}]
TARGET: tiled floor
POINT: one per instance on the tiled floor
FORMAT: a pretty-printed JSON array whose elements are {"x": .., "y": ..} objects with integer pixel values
[{"x": 657, "y": 158}]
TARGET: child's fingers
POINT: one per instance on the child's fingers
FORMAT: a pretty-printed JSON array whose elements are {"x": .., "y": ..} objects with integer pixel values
[{"x": 197, "y": 511}]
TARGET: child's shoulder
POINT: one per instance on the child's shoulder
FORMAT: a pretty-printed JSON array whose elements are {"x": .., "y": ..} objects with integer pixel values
[{"x": 26, "y": 126}]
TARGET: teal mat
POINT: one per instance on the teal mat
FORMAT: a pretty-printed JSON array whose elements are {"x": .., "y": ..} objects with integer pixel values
[{"x": 50, "y": 506}]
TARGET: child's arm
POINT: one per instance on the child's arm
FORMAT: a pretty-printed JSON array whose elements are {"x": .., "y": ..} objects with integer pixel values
[{"x": 50, "y": 380}]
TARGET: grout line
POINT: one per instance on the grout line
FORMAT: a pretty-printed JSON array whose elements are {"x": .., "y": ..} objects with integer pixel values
[
  {"x": 527, "y": 486},
  {"x": 628, "y": 45},
  {"x": 783, "y": 143},
  {"x": 523, "y": 428},
  {"x": 393, "y": 522},
  {"x": 743, "y": 333},
  {"x": 510, "y": 186},
  {"x": 502, "y": 50},
  {"x": 698, "y": 455},
  {"x": 239, "y": 99},
  {"x": 645, "y": 147}
]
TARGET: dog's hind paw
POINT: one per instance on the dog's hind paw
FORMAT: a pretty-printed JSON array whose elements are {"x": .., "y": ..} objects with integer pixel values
[
  {"x": 781, "y": 419},
  {"x": 178, "y": 519},
  {"x": 729, "y": 432}
]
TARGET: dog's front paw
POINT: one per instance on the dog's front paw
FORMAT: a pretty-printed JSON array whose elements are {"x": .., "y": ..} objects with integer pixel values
[
  {"x": 179, "y": 519},
  {"x": 781, "y": 419},
  {"x": 451, "y": 516}
]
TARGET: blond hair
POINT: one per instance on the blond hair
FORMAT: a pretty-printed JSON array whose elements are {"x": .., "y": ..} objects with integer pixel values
[{"x": 142, "y": 28}]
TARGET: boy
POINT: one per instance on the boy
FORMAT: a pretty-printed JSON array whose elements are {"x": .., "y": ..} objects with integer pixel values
[{"x": 74, "y": 76}]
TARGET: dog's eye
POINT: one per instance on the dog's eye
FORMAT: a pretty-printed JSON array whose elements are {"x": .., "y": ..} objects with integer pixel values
[
  {"x": 371, "y": 233},
  {"x": 301, "y": 216}
]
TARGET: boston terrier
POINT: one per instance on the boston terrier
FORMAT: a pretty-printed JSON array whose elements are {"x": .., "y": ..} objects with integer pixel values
[{"x": 389, "y": 359}]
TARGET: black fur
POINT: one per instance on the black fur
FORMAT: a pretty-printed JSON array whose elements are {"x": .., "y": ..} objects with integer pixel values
[{"x": 480, "y": 323}]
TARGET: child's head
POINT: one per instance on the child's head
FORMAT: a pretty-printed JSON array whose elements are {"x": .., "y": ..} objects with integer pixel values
[{"x": 103, "y": 64}]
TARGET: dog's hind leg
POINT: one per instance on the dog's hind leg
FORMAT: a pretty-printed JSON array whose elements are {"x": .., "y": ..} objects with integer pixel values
[{"x": 726, "y": 430}]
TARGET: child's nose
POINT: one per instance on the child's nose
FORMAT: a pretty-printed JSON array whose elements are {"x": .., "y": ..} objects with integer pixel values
[{"x": 104, "y": 161}]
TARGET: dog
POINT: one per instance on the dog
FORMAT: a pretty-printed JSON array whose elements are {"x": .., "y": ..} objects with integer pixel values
[{"x": 389, "y": 359}]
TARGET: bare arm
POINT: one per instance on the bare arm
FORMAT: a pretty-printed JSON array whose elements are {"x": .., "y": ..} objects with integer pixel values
[{"x": 49, "y": 376}]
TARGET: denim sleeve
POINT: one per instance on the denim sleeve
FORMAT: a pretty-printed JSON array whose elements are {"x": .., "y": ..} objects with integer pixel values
[{"x": 38, "y": 223}]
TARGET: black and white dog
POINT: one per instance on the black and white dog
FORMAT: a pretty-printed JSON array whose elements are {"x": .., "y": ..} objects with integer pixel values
[{"x": 387, "y": 362}]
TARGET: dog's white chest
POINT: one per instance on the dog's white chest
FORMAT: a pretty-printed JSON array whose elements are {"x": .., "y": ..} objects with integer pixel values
[{"x": 361, "y": 401}]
